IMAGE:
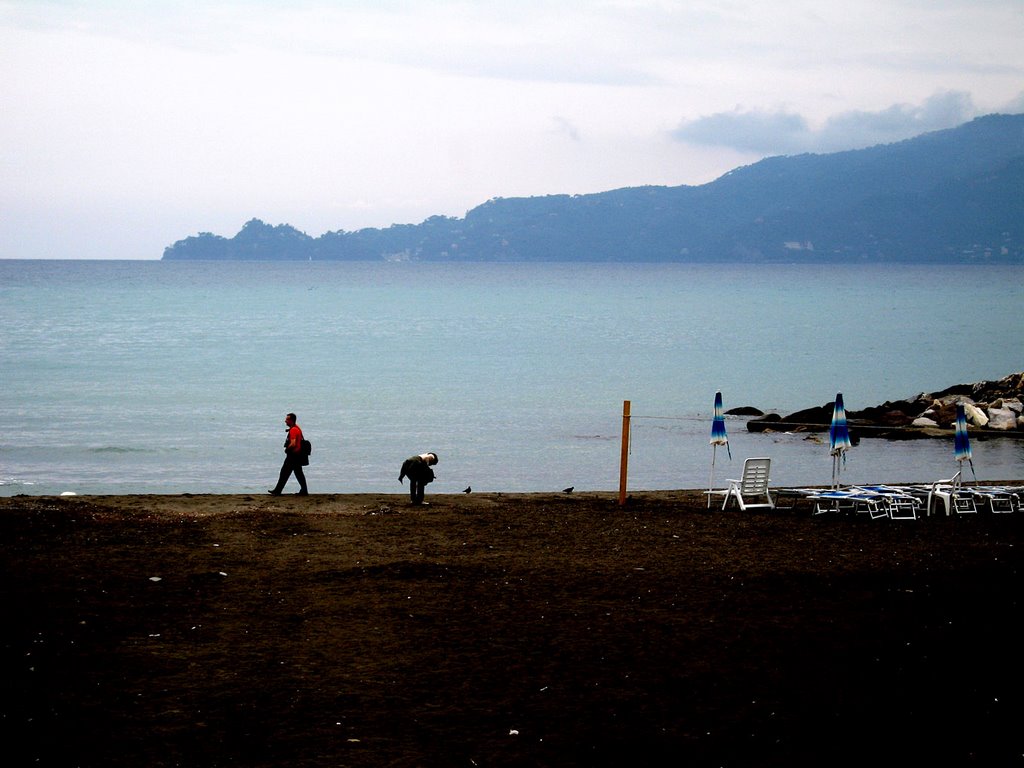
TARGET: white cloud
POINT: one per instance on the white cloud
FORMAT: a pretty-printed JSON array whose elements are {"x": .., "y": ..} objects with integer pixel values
[
  {"x": 784, "y": 132},
  {"x": 1015, "y": 106}
]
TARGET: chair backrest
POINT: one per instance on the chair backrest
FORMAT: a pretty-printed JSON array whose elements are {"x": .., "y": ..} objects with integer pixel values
[
  {"x": 952, "y": 483},
  {"x": 957, "y": 479},
  {"x": 755, "y": 476}
]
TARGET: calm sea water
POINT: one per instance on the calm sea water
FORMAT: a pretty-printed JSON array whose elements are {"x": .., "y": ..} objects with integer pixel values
[{"x": 162, "y": 377}]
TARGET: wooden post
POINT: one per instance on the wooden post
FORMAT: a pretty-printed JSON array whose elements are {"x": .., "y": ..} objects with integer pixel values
[{"x": 624, "y": 459}]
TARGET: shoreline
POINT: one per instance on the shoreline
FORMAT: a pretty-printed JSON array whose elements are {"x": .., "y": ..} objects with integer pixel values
[{"x": 689, "y": 500}]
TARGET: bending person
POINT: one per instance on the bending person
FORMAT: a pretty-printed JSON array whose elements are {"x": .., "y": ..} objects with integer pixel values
[{"x": 418, "y": 470}]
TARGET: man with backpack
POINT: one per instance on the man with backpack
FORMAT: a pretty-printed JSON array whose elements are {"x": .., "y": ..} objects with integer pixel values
[{"x": 295, "y": 457}]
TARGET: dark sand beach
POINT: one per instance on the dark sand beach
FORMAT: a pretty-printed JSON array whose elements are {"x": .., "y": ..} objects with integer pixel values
[{"x": 503, "y": 630}]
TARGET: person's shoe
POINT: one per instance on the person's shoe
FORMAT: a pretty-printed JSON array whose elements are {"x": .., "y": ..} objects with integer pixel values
[
  {"x": 274, "y": 493},
  {"x": 302, "y": 493}
]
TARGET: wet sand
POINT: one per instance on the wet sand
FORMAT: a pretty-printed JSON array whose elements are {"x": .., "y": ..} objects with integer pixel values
[{"x": 503, "y": 630}]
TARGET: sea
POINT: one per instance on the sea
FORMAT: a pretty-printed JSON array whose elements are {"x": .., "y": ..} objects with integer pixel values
[{"x": 175, "y": 377}]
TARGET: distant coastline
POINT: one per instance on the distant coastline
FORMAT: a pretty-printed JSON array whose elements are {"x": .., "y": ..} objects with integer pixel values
[{"x": 950, "y": 196}]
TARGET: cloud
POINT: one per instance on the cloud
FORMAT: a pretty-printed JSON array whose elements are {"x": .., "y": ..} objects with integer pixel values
[
  {"x": 566, "y": 128},
  {"x": 784, "y": 132},
  {"x": 752, "y": 131},
  {"x": 1015, "y": 106}
]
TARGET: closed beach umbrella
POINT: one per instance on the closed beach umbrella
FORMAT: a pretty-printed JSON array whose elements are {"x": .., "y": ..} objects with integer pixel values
[
  {"x": 718, "y": 437},
  {"x": 961, "y": 441},
  {"x": 838, "y": 437}
]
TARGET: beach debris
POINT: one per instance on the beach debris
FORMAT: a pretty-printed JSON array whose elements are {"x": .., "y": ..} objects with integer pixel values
[
  {"x": 155, "y": 578},
  {"x": 68, "y": 493},
  {"x": 513, "y": 732},
  {"x": 569, "y": 489}
]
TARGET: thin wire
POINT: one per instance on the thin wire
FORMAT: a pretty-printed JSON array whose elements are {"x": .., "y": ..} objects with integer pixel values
[{"x": 670, "y": 418}]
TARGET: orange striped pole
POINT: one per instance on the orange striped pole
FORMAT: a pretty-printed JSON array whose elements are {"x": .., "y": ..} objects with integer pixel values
[{"x": 624, "y": 459}]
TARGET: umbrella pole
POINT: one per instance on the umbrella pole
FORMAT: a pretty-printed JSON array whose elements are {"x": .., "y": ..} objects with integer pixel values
[{"x": 711, "y": 480}]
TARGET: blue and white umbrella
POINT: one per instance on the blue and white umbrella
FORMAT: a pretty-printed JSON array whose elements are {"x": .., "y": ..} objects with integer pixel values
[
  {"x": 718, "y": 437},
  {"x": 838, "y": 438},
  {"x": 961, "y": 441}
]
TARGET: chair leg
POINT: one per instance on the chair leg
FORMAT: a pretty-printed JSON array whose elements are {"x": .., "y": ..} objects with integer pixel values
[{"x": 934, "y": 499}]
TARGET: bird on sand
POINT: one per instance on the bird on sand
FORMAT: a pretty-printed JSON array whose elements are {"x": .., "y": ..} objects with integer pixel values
[
  {"x": 569, "y": 489},
  {"x": 469, "y": 489}
]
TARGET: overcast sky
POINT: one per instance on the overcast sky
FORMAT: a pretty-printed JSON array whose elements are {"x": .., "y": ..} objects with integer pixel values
[{"x": 128, "y": 124}]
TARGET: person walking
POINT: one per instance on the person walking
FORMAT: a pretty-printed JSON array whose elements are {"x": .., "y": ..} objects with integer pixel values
[
  {"x": 293, "y": 459},
  {"x": 418, "y": 470}
]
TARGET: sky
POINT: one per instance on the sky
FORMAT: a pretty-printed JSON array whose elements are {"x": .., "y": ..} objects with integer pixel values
[{"x": 126, "y": 125}]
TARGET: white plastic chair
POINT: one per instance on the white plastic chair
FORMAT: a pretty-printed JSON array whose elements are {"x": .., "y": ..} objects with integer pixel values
[
  {"x": 752, "y": 487},
  {"x": 949, "y": 495}
]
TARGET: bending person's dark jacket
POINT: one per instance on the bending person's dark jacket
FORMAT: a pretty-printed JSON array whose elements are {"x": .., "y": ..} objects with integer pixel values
[{"x": 416, "y": 468}]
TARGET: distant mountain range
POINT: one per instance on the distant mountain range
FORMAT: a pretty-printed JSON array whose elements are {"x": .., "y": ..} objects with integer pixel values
[{"x": 950, "y": 196}]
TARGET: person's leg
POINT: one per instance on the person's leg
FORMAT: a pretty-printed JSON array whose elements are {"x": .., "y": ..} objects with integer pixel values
[
  {"x": 300, "y": 476},
  {"x": 286, "y": 471},
  {"x": 415, "y": 491}
]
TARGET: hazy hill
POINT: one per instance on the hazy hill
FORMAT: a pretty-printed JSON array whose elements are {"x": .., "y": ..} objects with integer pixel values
[{"x": 950, "y": 196}]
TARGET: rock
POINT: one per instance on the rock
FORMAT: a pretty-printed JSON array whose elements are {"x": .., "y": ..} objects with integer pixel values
[
  {"x": 894, "y": 419},
  {"x": 744, "y": 410},
  {"x": 975, "y": 415},
  {"x": 957, "y": 391},
  {"x": 899, "y": 413},
  {"x": 943, "y": 412},
  {"x": 1002, "y": 418},
  {"x": 820, "y": 415},
  {"x": 764, "y": 424},
  {"x": 950, "y": 400},
  {"x": 1007, "y": 387},
  {"x": 988, "y": 405}
]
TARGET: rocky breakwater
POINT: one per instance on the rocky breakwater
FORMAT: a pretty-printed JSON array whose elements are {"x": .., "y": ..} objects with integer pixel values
[{"x": 992, "y": 408}]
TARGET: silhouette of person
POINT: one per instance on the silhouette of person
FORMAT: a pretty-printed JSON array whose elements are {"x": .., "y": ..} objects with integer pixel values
[
  {"x": 418, "y": 470},
  {"x": 293, "y": 459}
]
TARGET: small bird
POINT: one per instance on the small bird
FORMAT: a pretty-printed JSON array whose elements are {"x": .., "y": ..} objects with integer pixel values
[
  {"x": 469, "y": 489},
  {"x": 569, "y": 489}
]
